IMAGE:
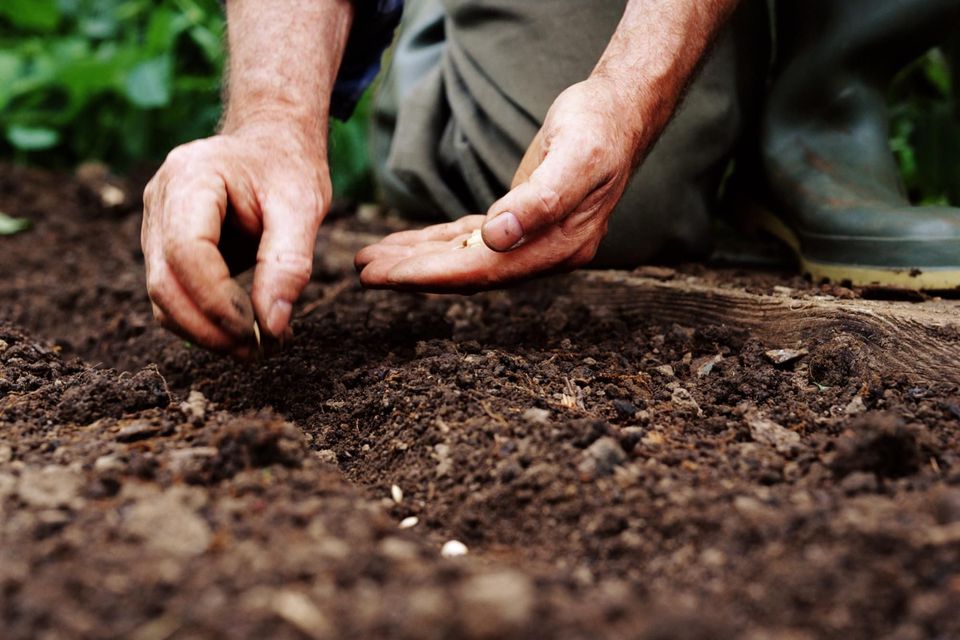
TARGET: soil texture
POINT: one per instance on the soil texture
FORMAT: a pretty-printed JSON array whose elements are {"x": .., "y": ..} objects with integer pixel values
[{"x": 607, "y": 477}]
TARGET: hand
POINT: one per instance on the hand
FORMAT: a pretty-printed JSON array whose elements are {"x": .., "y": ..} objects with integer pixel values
[
  {"x": 554, "y": 217},
  {"x": 254, "y": 195}
]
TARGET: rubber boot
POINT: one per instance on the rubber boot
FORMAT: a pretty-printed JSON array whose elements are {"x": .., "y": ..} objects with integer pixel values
[{"x": 834, "y": 188}]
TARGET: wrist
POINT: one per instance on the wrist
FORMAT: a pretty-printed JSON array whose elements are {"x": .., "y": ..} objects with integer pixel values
[
  {"x": 627, "y": 108},
  {"x": 275, "y": 113},
  {"x": 278, "y": 136}
]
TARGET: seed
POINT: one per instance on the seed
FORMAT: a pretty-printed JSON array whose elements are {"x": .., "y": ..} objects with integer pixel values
[
  {"x": 256, "y": 334},
  {"x": 410, "y": 522},
  {"x": 396, "y": 493},
  {"x": 453, "y": 549},
  {"x": 474, "y": 240}
]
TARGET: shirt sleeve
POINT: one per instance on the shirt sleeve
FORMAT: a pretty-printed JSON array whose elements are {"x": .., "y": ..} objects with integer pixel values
[{"x": 374, "y": 22}]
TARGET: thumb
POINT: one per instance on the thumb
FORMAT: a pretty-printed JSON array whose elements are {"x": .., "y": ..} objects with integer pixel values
[
  {"x": 284, "y": 263},
  {"x": 553, "y": 190}
]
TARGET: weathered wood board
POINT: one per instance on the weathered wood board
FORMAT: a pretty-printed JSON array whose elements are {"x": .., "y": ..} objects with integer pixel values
[{"x": 920, "y": 340}]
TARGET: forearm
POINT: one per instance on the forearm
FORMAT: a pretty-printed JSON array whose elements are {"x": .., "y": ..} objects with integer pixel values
[
  {"x": 284, "y": 56},
  {"x": 652, "y": 55}
]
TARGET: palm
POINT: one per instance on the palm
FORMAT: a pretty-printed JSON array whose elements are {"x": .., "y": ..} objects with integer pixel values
[
  {"x": 562, "y": 195},
  {"x": 435, "y": 259}
]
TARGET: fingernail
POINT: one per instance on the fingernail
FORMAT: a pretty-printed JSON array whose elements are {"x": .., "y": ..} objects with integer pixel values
[
  {"x": 279, "y": 317},
  {"x": 503, "y": 232}
]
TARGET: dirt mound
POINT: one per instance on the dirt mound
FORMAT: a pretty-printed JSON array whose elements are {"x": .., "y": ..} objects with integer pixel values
[{"x": 608, "y": 477}]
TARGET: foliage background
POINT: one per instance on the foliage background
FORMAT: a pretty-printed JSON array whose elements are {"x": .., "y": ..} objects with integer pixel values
[{"x": 124, "y": 81}]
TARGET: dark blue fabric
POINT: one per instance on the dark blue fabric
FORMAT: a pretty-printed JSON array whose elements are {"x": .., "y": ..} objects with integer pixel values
[{"x": 374, "y": 22}]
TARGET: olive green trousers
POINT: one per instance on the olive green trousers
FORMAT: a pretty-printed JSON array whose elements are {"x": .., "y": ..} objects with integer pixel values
[{"x": 470, "y": 82}]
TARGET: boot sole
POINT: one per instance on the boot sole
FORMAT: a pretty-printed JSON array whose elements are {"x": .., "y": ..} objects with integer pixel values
[{"x": 926, "y": 279}]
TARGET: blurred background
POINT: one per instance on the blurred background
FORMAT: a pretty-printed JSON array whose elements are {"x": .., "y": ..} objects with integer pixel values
[{"x": 124, "y": 81}]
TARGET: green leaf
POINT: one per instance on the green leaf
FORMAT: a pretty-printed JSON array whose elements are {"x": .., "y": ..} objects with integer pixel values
[
  {"x": 10, "y": 225},
  {"x": 937, "y": 72},
  {"x": 209, "y": 42},
  {"x": 10, "y": 66},
  {"x": 32, "y": 138},
  {"x": 162, "y": 30},
  {"x": 148, "y": 84},
  {"x": 32, "y": 15}
]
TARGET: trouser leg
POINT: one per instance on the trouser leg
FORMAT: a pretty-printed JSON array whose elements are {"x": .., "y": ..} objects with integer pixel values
[
  {"x": 416, "y": 55},
  {"x": 457, "y": 130}
]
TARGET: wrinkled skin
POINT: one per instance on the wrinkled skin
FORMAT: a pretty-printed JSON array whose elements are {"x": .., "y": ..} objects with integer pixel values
[
  {"x": 257, "y": 193},
  {"x": 273, "y": 195},
  {"x": 553, "y": 219}
]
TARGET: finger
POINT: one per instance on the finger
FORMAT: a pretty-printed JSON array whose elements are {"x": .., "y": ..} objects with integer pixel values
[
  {"x": 174, "y": 310},
  {"x": 554, "y": 189},
  {"x": 530, "y": 161},
  {"x": 285, "y": 258},
  {"x": 445, "y": 231},
  {"x": 381, "y": 260},
  {"x": 479, "y": 268},
  {"x": 380, "y": 251},
  {"x": 190, "y": 237},
  {"x": 465, "y": 271}
]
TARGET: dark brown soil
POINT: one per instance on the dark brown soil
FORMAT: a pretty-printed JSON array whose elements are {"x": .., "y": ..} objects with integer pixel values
[{"x": 610, "y": 479}]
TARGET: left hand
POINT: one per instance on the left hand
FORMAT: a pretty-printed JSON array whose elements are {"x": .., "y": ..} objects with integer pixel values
[{"x": 553, "y": 218}]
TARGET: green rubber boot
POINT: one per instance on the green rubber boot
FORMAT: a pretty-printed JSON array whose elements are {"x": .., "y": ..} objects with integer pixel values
[{"x": 834, "y": 188}]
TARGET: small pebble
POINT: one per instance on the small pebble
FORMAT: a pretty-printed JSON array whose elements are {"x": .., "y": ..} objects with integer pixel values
[
  {"x": 665, "y": 370},
  {"x": 453, "y": 549},
  {"x": 410, "y": 522},
  {"x": 327, "y": 456},
  {"x": 137, "y": 430},
  {"x": 601, "y": 457},
  {"x": 108, "y": 463},
  {"x": 783, "y": 356},
  {"x": 536, "y": 415},
  {"x": 396, "y": 493},
  {"x": 625, "y": 409}
]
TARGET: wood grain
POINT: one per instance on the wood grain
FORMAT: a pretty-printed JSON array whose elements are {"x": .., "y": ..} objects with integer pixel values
[{"x": 919, "y": 340}]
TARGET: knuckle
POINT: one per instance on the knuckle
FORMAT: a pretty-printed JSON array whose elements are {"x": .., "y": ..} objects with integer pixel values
[
  {"x": 186, "y": 156},
  {"x": 157, "y": 289},
  {"x": 583, "y": 256},
  {"x": 149, "y": 192},
  {"x": 177, "y": 157},
  {"x": 295, "y": 268},
  {"x": 548, "y": 201},
  {"x": 173, "y": 248},
  {"x": 310, "y": 201}
]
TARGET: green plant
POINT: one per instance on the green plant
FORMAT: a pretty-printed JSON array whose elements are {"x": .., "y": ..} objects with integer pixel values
[
  {"x": 925, "y": 128},
  {"x": 116, "y": 80},
  {"x": 124, "y": 81}
]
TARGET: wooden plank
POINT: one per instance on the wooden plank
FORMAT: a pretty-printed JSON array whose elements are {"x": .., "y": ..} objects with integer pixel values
[{"x": 919, "y": 340}]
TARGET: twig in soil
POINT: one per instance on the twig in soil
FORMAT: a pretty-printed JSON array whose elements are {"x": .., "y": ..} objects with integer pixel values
[
  {"x": 572, "y": 397},
  {"x": 490, "y": 412},
  {"x": 329, "y": 294}
]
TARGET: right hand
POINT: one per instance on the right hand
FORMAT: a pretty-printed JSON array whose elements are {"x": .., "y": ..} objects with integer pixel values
[{"x": 252, "y": 195}]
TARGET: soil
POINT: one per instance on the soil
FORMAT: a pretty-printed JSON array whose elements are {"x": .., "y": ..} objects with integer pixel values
[{"x": 610, "y": 478}]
